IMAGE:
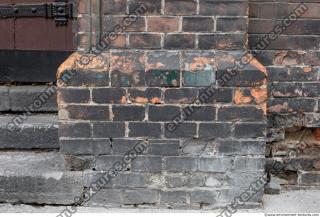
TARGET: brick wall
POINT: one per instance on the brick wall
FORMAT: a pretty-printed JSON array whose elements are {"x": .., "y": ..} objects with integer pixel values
[
  {"x": 169, "y": 58},
  {"x": 294, "y": 87}
]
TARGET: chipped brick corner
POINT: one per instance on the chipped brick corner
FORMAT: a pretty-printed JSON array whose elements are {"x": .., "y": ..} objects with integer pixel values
[{"x": 293, "y": 62}]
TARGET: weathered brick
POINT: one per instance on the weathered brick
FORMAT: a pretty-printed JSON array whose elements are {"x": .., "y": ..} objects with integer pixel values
[
  {"x": 282, "y": 9},
  {"x": 127, "y": 69},
  {"x": 249, "y": 164},
  {"x": 145, "y": 41},
  {"x": 199, "y": 71},
  {"x": 204, "y": 196},
  {"x": 179, "y": 164},
  {"x": 109, "y": 95},
  {"x": 199, "y": 79},
  {"x": 163, "y": 113},
  {"x": 265, "y": 57},
  {"x": 311, "y": 89},
  {"x": 312, "y": 58},
  {"x": 196, "y": 147},
  {"x": 302, "y": 164},
  {"x": 287, "y": 57},
  {"x": 243, "y": 113},
  {"x": 86, "y": 112},
  {"x": 199, "y": 113},
  {"x": 241, "y": 147},
  {"x": 233, "y": 41},
  {"x": 114, "y": 7},
  {"x": 301, "y": 27},
  {"x": 143, "y": 96},
  {"x": 84, "y": 7},
  {"x": 120, "y": 41},
  {"x": 146, "y": 164},
  {"x": 212, "y": 95},
  {"x": 83, "y": 41},
  {"x": 110, "y": 24},
  {"x": 228, "y": 195},
  {"x": 128, "y": 113},
  {"x": 285, "y": 105},
  {"x": 230, "y": 24},
  {"x": 176, "y": 180},
  {"x": 225, "y": 8},
  {"x": 132, "y": 180},
  {"x": 104, "y": 163},
  {"x": 88, "y": 78},
  {"x": 74, "y": 95},
  {"x": 181, "y": 7},
  {"x": 179, "y": 41},
  {"x": 283, "y": 42},
  {"x": 216, "y": 180},
  {"x": 214, "y": 164},
  {"x": 163, "y": 24},
  {"x": 153, "y": 7},
  {"x": 228, "y": 60},
  {"x": 197, "y": 24},
  {"x": 83, "y": 23},
  {"x": 174, "y": 197},
  {"x": 254, "y": 96},
  {"x": 74, "y": 130},
  {"x": 140, "y": 196},
  {"x": 288, "y": 74},
  {"x": 163, "y": 69},
  {"x": 112, "y": 197},
  {"x": 85, "y": 146},
  {"x": 284, "y": 120},
  {"x": 241, "y": 179},
  {"x": 287, "y": 89},
  {"x": 181, "y": 96},
  {"x": 108, "y": 130},
  {"x": 78, "y": 162},
  {"x": 310, "y": 178},
  {"x": 144, "y": 129},
  {"x": 214, "y": 130},
  {"x": 122, "y": 180},
  {"x": 184, "y": 130},
  {"x": 169, "y": 60},
  {"x": 164, "y": 147},
  {"x": 250, "y": 130},
  {"x": 122, "y": 146},
  {"x": 311, "y": 120},
  {"x": 244, "y": 78}
]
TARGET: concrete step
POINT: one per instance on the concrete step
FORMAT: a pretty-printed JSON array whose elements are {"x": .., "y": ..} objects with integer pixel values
[
  {"x": 37, "y": 178},
  {"x": 37, "y": 131},
  {"x": 35, "y": 98}
]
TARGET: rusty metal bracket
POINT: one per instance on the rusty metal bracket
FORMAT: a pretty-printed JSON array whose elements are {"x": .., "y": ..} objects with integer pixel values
[{"x": 59, "y": 10}]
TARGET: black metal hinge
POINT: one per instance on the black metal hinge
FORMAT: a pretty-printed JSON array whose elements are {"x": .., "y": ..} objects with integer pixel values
[{"x": 60, "y": 11}]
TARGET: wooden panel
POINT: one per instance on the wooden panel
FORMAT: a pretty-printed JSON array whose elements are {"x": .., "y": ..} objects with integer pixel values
[
  {"x": 41, "y": 34},
  {"x": 6, "y": 30},
  {"x": 34, "y": 33},
  {"x": 30, "y": 66},
  {"x": 32, "y": 48}
]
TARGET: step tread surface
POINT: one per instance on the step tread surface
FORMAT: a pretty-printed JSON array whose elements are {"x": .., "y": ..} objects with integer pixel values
[
  {"x": 18, "y": 98},
  {"x": 37, "y": 178},
  {"x": 38, "y": 131}
]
